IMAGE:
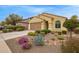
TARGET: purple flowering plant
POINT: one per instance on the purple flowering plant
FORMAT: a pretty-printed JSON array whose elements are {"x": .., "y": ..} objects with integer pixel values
[{"x": 24, "y": 43}]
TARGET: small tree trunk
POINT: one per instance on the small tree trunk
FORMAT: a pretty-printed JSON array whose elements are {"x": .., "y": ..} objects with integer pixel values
[
  {"x": 70, "y": 35},
  {"x": 67, "y": 35}
]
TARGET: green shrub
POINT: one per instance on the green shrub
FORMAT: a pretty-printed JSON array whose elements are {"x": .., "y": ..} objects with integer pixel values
[
  {"x": 46, "y": 31},
  {"x": 76, "y": 30},
  {"x": 10, "y": 27},
  {"x": 64, "y": 32},
  {"x": 53, "y": 39},
  {"x": 60, "y": 37},
  {"x": 39, "y": 40},
  {"x": 10, "y": 30},
  {"x": 37, "y": 31},
  {"x": 7, "y": 30},
  {"x": 42, "y": 33},
  {"x": 17, "y": 26},
  {"x": 31, "y": 33},
  {"x": 4, "y": 30},
  {"x": 19, "y": 29},
  {"x": 59, "y": 33}
]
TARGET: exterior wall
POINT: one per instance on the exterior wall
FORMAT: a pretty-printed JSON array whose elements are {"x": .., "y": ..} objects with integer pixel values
[
  {"x": 35, "y": 20},
  {"x": 44, "y": 17},
  {"x": 38, "y": 23},
  {"x": 35, "y": 26},
  {"x": 62, "y": 20},
  {"x": 43, "y": 26},
  {"x": 51, "y": 22},
  {"x": 23, "y": 24}
]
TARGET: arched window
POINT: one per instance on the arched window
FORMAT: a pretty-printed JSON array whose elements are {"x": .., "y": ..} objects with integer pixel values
[{"x": 57, "y": 24}]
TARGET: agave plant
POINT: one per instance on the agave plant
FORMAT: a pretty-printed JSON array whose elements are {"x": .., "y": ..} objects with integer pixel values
[
  {"x": 39, "y": 40},
  {"x": 24, "y": 43}
]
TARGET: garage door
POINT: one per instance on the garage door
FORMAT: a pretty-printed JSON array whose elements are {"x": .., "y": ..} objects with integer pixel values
[{"x": 35, "y": 26}]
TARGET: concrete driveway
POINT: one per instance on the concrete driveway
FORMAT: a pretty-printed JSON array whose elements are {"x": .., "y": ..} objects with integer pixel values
[
  {"x": 6, "y": 36},
  {"x": 11, "y": 35}
]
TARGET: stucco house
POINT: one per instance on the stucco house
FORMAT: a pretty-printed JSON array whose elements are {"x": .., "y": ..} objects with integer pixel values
[
  {"x": 24, "y": 23},
  {"x": 47, "y": 21}
]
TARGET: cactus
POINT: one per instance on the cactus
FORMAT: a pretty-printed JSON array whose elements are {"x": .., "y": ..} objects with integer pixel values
[{"x": 39, "y": 40}]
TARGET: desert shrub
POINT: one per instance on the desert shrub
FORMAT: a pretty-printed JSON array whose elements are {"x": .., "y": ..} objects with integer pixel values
[
  {"x": 42, "y": 33},
  {"x": 52, "y": 32},
  {"x": 24, "y": 43},
  {"x": 19, "y": 29},
  {"x": 59, "y": 33},
  {"x": 18, "y": 26},
  {"x": 71, "y": 46},
  {"x": 39, "y": 40},
  {"x": 56, "y": 34},
  {"x": 64, "y": 32},
  {"x": 76, "y": 30},
  {"x": 26, "y": 46},
  {"x": 31, "y": 33},
  {"x": 60, "y": 37},
  {"x": 37, "y": 31},
  {"x": 53, "y": 39},
  {"x": 46, "y": 31},
  {"x": 10, "y": 27},
  {"x": 5, "y": 30},
  {"x": 10, "y": 30}
]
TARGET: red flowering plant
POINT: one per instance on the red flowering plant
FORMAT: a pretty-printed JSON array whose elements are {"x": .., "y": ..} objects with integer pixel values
[{"x": 24, "y": 43}]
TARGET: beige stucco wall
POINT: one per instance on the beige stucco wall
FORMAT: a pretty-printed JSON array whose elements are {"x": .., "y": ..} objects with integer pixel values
[
  {"x": 47, "y": 19},
  {"x": 44, "y": 18},
  {"x": 62, "y": 20},
  {"x": 35, "y": 19},
  {"x": 51, "y": 21}
]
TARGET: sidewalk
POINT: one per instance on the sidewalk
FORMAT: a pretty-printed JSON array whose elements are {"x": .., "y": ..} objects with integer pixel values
[{"x": 3, "y": 46}]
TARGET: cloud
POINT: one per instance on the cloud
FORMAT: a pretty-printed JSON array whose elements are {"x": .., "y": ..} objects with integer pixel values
[
  {"x": 32, "y": 10},
  {"x": 37, "y": 9}
]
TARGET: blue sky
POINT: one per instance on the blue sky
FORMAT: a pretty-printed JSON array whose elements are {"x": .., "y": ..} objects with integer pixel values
[{"x": 32, "y": 10}]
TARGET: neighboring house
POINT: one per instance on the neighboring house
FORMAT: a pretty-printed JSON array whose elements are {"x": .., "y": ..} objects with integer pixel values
[
  {"x": 24, "y": 23},
  {"x": 47, "y": 21},
  {"x": 1, "y": 27}
]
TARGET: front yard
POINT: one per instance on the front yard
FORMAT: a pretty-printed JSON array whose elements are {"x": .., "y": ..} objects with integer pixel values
[
  {"x": 51, "y": 47},
  {"x": 52, "y": 44}
]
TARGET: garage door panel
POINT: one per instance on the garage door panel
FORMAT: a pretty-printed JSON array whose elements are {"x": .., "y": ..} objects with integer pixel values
[{"x": 35, "y": 26}]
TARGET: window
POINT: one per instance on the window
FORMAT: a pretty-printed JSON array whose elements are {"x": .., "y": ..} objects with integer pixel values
[{"x": 57, "y": 24}]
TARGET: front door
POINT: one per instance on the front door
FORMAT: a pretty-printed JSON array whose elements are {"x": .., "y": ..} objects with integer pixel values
[{"x": 46, "y": 24}]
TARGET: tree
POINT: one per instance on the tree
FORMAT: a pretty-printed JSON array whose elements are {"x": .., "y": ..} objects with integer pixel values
[
  {"x": 13, "y": 19},
  {"x": 2, "y": 23},
  {"x": 74, "y": 17},
  {"x": 71, "y": 24},
  {"x": 71, "y": 46}
]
